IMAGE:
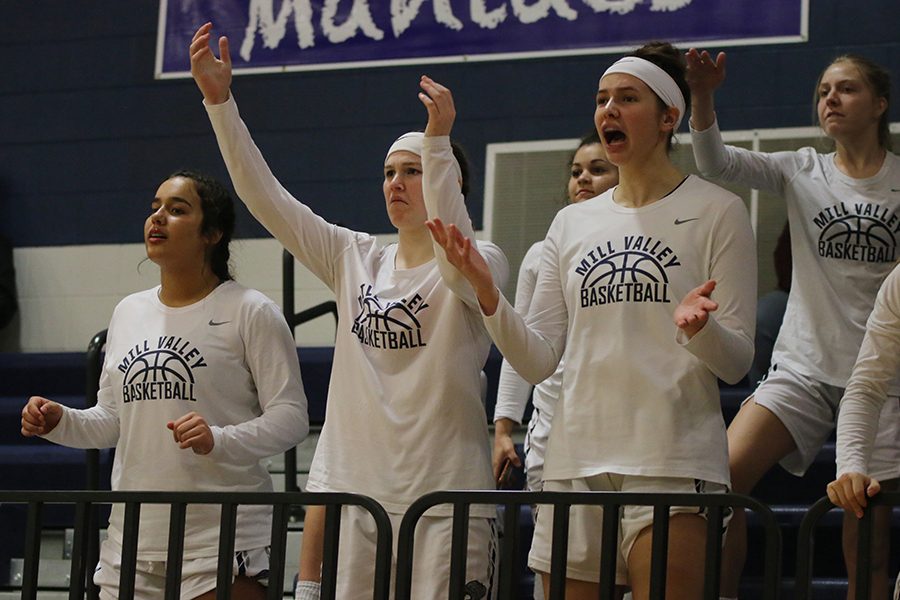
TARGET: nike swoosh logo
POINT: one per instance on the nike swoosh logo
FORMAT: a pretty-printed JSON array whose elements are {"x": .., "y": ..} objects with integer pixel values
[
  {"x": 217, "y": 323},
  {"x": 683, "y": 221}
]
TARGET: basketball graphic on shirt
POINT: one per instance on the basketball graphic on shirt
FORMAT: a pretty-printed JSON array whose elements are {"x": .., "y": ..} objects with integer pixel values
[
  {"x": 629, "y": 266},
  {"x": 862, "y": 231},
  {"x": 161, "y": 369},
  {"x": 635, "y": 274},
  {"x": 395, "y": 316},
  {"x": 389, "y": 325},
  {"x": 864, "y": 235},
  {"x": 159, "y": 365}
]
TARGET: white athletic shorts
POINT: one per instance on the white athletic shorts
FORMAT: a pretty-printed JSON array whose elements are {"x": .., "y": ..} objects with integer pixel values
[
  {"x": 808, "y": 409},
  {"x": 586, "y": 521},
  {"x": 431, "y": 556},
  {"x": 536, "y": 448},
  {"x": 198, "y": 575}
]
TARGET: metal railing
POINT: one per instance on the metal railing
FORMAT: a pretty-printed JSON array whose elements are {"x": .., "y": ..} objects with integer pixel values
[
  {"x": 562, "y": 501},
  {"x": 806, "y": 544},
  {"x": 82, "y": 564}
]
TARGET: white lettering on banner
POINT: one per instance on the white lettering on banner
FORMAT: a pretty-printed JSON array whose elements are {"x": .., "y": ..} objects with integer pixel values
[
  {"x": 541, "y": 10},
  {"x": 487, "y": 19},
  {"x": 360, "y": 18},
  {"x": 623, "y": 7},
  {"x": 403, "y": 12},
  {"x": 271, "y": 29},
  {"x": 668, "y": 5}
]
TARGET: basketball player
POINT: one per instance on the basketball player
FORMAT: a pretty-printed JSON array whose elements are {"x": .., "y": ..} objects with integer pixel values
[
  {"x": 867, "y": 391},
  {"x": 590, "y": 174},
  {"x": 843, "y": 215},
  {"x": 199, "y": 383},
  {"x": 404, "y": 414},
  {"x": 639, "y": 409}
]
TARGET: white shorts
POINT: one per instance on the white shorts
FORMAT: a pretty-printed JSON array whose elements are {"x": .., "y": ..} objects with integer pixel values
[
  {"x": 808, "y": 409},
  {"x": 586, "y": 521},
  {"x": 198, "y": 575},
  {"x": 431, "y": 556},
  {"x": 536, "y": 448}
]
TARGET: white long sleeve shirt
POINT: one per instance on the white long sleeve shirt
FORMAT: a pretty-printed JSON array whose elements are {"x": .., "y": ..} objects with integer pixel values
[
  {"x": 844, "y": 235},
  {"x": 637, "y": 397},
  {"x": 229, "y": 357},
  {"x": 404, "y": 414},
  {"x": 513, "y": 392},
  {"x": 877, "y": 367}
]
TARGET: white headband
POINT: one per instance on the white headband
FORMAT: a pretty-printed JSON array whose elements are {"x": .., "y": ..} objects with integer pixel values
[
  {"x": 412, "y": 142},
  {"x": 656, "y": 79}
]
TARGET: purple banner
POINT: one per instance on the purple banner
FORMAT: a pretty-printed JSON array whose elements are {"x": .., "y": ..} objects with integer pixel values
[{"x": 275, "y": 35}]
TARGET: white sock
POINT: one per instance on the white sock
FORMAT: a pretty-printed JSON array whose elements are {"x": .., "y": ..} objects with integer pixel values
[{"x": 307, "y": 590}]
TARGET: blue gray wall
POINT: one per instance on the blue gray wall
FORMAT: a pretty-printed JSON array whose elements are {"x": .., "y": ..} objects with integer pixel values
[{"x": 86, "y": 133}]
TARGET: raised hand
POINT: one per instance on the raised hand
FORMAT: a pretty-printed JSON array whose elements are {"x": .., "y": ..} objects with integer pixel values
[
  {"x": 462, "y": 254},
  {"x": 704, "y": 75},
  {"x": 213, "y": 75},
  {"x": 850, "y": 491},
  {"x": 192, "y": 431},
  {"x": 40, "y": 416},
  {"x": 438, "y": 102},
  {"x": 693, "y": 312}
]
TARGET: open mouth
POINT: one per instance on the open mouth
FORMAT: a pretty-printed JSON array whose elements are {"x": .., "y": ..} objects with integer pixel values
[{"x": 613, "y": 136}]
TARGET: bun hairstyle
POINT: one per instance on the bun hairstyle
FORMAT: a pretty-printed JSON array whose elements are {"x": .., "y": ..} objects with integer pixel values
[
  {"x": 218, "y": 217},
  {"x": 671, "y": 60}
]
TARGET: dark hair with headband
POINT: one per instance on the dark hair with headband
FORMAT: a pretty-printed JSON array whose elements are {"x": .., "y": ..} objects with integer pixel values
[
  {"x": 671, "y": 60},
  {"x": 460, "y": 154},
  {"x": 218, "y": 216}
]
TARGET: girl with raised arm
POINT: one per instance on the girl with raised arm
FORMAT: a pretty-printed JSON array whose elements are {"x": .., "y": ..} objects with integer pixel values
[
  {"x": 200, "y": 382},
  {"x": 639, "y": 409},
  {"x": 404, "y": 414},
  {"x": 843, "y": 215}
]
